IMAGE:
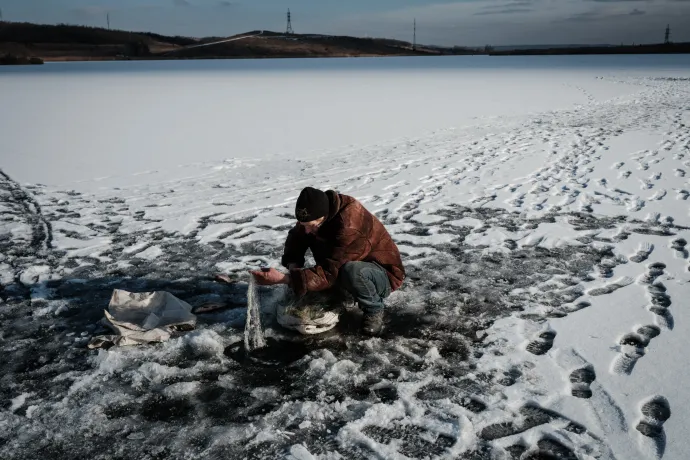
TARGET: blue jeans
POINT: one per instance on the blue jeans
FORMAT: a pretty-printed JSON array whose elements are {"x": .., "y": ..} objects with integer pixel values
[{"x": 368, "y": 284}]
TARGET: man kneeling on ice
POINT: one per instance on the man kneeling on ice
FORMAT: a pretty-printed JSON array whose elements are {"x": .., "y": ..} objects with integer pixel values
[{"x": 352, "y": 250}]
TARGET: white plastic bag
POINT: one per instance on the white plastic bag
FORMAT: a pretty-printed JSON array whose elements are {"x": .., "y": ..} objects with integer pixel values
[
  {"x": 143, "y": 317},
  {"x": 303, "y": 324},
  {"x": 311, "y": 314}
]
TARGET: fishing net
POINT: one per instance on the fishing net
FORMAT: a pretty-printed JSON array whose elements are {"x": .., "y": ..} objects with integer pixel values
[{"x": 313, "y": 313}]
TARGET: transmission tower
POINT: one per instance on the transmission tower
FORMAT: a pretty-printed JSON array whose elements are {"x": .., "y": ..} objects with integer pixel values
[
  {"x": 289, "y": 30},
  {"x": 414, "y": 35},
  {"x": 667, "y": 38}
]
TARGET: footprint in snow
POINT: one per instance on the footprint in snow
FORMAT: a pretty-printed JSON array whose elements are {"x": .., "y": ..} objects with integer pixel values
[
  {"x": 653, "y": 218},
  {"x": 609, "y": 288},
  {"x": 635, "y": 204},
  {"x": 606, "y": 268},
  {"x": 655, "y": 412},
  {"x": 624, "y": 174},
  {"x": 622, "y": 192},
  {"x": 517, "y": 201},
  {"x": 679, "y": 245},
  {"x": 539, "y": 205},
  {"x": 411, "y": 441},
  {"x": 657, "y": 292},
  {"x": 645, "y": 184},
  {"x": 618, "y": 165},
  {"x": 581, "y": 305},
  {"x": 659, "y": 195},
  {"x": 633, "y": 347},
  {"x": 436, "y": 392},
  {"x": 510, "y": 244},
  {"x": 683, "y": 195},
  {"x": 531, "y": 416},
  {"x": 680, "y": 173},
  {"x": 542, "y": 344},
  {"x": 581, "y": 379},
  {"x": 660, "y": 303},
  {"x": 622, "y": 235},
  {"x": 654, "y": 271},
  {"x": 586, "y": 207},
  {"x": 546, "y": 447},
  {"x": 643, "y": 252}
]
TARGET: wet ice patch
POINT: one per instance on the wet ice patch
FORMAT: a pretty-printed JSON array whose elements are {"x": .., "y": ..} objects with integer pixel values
[
  {"x": 427, "y": 218},
  {"x": 181, "y": 390},
  {"x": 54, "y": 307},
  {"x": 18, "y": 402},
  {"x": 204, "y": 343},
  {"x": 466, "y": 222},
  {"x": 34, "y": 274},
  {"x": 150, "y": 253}
]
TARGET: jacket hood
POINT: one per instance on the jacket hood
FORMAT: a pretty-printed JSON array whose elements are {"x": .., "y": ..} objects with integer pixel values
[{"x": 335, "y": 204}]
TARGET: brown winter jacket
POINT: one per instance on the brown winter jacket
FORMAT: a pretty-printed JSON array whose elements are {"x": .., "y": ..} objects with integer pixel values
[{"x": 350, "y": 233}]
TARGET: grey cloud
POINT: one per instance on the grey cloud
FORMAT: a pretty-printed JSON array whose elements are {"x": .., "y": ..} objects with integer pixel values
[
  {"x": 589, "y": 16},
  {"x": 89, "y": 12},
  {"x": 517, "y": 4},
  {"x": 504, "y": 11},
  {"x": 181, "y": 3},
  {"x": 226, "y": 4}
]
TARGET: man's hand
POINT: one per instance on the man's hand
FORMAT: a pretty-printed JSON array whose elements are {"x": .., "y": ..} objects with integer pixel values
[{"x": 270, "y": 277}]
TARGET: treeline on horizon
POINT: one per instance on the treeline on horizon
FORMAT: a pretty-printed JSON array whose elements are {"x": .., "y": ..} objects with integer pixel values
[
  {"x": 658, "y": 48},
  {"x": 28, "y": 33}
]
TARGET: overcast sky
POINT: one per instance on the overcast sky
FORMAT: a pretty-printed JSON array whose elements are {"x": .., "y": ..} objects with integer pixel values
[{"x": 442, "y": 22}]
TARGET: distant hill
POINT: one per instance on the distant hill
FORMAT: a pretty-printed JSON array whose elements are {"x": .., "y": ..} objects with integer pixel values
[
  {"x": 19, "y": 42},
  {"x": 273, "y": 44},
  {"x": 540, "y": 47},
  {"x": 24, "y": 32},
  {"x": 662, "y": 48},
  {"x": 70, "y": 42}
]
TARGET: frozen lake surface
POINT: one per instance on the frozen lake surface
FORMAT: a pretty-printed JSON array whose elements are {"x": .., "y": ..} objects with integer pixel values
[
  {"x": 95, "y": 120},
  {"x": 540, "y": 204}
]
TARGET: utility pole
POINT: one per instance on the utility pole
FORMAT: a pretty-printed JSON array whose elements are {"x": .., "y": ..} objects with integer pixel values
[
  {"x": 289, "y": 30},
  {"x": 414, "y": 35},
  {"x": 667, "y": 38},
  {"x": 107, "y": 17}
]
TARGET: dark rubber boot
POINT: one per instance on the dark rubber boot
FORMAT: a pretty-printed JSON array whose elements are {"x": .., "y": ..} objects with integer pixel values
[{"x": 372, "y": 323}]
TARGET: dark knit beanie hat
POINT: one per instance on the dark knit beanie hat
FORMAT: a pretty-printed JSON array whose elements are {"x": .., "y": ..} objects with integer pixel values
[{"x": 312, "y": 204}]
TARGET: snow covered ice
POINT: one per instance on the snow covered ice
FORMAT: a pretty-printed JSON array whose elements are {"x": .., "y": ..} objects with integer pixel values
[{"x": 544, "y": 313}]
